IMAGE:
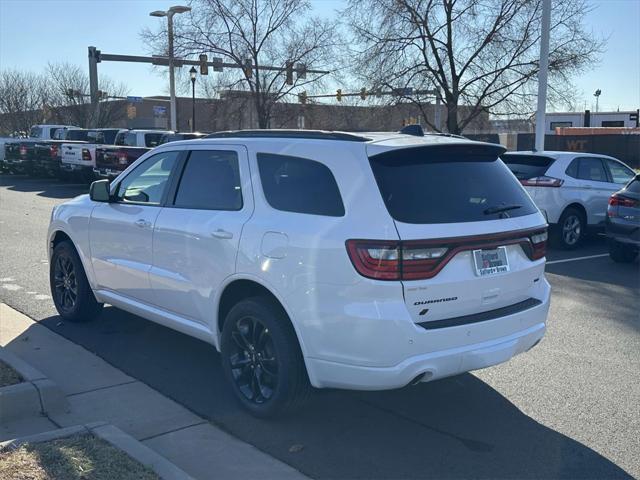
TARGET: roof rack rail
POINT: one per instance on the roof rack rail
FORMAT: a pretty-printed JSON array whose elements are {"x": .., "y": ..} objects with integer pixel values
[{"x": 284, "y": 133}]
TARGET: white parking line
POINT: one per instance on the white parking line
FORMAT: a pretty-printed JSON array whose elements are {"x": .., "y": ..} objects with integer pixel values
[{"x": 578, "y": 258}]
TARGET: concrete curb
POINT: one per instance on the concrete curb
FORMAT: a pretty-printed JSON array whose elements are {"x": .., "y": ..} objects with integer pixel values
[
  {"x": 114, "y": 436},
  {"x": 35, "y": 395}
]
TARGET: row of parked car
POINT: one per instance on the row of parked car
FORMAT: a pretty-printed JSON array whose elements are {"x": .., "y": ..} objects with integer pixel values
[
  {"x": 84, "y": 154},
  {"x": 575, "y": 191}
]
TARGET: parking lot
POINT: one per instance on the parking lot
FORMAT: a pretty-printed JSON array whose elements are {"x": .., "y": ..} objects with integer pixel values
[{"x": 566, "y": 409}]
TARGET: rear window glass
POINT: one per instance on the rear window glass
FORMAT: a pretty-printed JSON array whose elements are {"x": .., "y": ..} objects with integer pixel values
[
  {"x": 299, "y": 185},
  {"x": 448, "y": 185},
  {"x": 152, "y": 139},
  {"x": 634, "y": 186},
  {"x": 77, "y": 135},
  {"x": 36, "y": 132},
  {"x": 525, "y": 167}
]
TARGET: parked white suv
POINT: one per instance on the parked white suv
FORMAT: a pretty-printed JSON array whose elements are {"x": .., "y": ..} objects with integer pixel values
[
  {"x": 366, "y": 261},
  {"x": 570, "y": 188}
]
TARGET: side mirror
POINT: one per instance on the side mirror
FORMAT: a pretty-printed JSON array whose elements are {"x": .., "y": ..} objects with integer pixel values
[{"x": 99, "y": 191}]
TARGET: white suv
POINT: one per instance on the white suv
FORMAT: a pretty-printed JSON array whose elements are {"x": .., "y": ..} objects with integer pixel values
[
  {"x": 366, "y": 261},
  {"x": 570, "y": 188}
]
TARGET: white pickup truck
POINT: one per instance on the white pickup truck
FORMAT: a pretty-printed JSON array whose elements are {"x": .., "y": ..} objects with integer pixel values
[{"x": 80, "y": 159}]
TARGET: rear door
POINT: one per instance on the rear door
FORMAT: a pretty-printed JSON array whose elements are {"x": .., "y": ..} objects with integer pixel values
[
  {"x": 196, "y": 235},
  {"x": 594, "y": 184},
  {"x": 466, "y": 226}
]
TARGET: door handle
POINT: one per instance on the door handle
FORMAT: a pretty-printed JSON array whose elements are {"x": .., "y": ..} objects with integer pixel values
[
  {"x": 142, "y": 223},
  {"x": 219, "y": 233}
]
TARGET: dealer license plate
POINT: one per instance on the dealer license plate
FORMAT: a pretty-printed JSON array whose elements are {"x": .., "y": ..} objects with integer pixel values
[{"x": 491, "y": 262}]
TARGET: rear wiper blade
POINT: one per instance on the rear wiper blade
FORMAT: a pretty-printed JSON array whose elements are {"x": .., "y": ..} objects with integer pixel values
[{"x": 500, "y": 209}]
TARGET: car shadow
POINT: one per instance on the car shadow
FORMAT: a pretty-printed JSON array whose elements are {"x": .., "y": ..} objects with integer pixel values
[
  {"x": 453, "y": 428},
  {"x": 43, "y": 187}
]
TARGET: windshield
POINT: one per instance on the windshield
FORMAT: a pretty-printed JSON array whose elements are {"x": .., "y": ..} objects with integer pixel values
[
  {"x": 35, "y": 132},
  {"x": 448, "y": 185}
]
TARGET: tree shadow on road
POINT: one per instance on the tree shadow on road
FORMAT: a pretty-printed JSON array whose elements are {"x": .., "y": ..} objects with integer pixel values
[
  {"x": 453, "y": 428},
  {"x": 43, "y": 187}
]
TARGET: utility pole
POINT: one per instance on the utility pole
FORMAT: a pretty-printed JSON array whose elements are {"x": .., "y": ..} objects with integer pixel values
[
  {"x": 542, "y": 76},
  {"x": 172, "y": 81}
]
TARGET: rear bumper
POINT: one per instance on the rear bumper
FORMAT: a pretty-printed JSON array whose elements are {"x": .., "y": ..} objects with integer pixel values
[
  {"x": 438, "y": 364},
  {"x": 623, "y": 231}
]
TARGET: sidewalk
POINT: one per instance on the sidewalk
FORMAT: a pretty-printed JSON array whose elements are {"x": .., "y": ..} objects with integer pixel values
[{"x": 96, "y": 391}]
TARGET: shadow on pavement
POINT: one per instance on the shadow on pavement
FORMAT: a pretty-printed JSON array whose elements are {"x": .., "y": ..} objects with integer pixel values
[
  {"x": 453, "y": 428},
  {"x": 45, "y": 187}
]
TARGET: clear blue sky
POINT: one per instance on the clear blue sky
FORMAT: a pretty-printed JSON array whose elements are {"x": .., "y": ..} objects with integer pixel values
[{"x": 34, "y": 32}]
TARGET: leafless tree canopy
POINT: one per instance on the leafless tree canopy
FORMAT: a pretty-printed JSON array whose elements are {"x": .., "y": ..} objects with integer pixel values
[
  {"x": 21, "y": 95},
  {"x": 480, "y": 53},
  {"x": 268, "y": 32}
]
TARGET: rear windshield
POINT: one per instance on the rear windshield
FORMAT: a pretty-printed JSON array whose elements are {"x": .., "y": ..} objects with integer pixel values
[
  {"x": 634, "y": 185},
  {"x": 448, "y": 185},
  {"x": 525, "y": 167},
  {"x": 77, "y": 135},
  {"x": 36, "y": 132},
  {"x": 109, "y": 136},
  {"x": 152, "y": 139}
]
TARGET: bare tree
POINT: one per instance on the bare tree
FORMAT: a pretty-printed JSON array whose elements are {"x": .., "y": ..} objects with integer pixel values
[
  {"x": 481, "y": 55},
  {"x": 265, "y": 32},
  {"x": 21, "y": 100},
  {"x": 68, "y": 92}
]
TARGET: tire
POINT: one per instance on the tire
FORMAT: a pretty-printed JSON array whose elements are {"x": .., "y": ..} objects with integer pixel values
[
  {"x": 621, "y": 253},
  {"x": 70, "y": 289},
  {"x": 256, "y": 330},
  {"x": 569, "y": 232}
]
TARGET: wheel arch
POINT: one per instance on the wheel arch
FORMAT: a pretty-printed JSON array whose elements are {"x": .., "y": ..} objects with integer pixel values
[
  {"x": 245, "y": 286},
  {"x": 579, "y": 207}
]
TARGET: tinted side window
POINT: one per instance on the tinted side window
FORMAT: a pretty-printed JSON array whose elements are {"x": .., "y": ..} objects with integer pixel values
[
  {"x": 148, "y": 181},
  {"x": 592, "y": 169},
  {"x": 572, "y": 169},
  {"x": 619, "y": 173},
  {"x": 211, "y": 181},
  {"x": 299, "y": 185}
]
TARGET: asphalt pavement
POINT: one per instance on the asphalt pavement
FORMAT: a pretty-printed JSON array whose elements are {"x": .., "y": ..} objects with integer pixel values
[{"x": 566, "y": 409}]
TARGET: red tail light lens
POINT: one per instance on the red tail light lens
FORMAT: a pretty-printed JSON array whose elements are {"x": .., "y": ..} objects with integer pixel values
[
  {"x": 53, "y": 151},
  {"x": 122, "y": 158},
  {"x": 542, "y": 181},
  {"x": 23, "y": 150},
  {"x": 620, "y": 201},
  {"x": 422, "y": 259},
  {"x": 86, "y": 155},
  {"x": 539, "y": 243}
]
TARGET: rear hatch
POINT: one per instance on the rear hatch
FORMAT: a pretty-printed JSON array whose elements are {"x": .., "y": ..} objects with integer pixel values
[
  {"x": 530, "y": 170},
  {"x": 78, "y": 154},
  {"x": 471, "y": 239}
]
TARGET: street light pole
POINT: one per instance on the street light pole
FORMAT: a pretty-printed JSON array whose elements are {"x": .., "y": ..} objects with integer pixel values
[
  {"x": 172, "y": 82},
  {"x": 542, "y": 75},
  {"x": 193, "y": 73}
]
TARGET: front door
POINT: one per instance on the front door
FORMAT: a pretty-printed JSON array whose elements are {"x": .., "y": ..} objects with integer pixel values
[
  {"x": 121, "y": 231},
  {"x": 197, "y": 234}
]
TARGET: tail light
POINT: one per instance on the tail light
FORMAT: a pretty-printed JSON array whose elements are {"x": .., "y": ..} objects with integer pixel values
[
  {"x": 422, "y": 259},
  {"x": 620, "y": 201},
  {"x": 122, "y": 158},
  {"x": 53, "y": 151},
  {"x": 23, "y": 150},
  {"x": 542, "y": 181},
  {"x": 86, "y": 155},
  {"x": 539, "y": 244}
]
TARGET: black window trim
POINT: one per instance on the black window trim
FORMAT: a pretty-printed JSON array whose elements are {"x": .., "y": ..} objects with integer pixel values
[
  {"x": 266, "y": 200},
  {"x": 165, "y": 195},
  {"x": 172, "y": 191}
]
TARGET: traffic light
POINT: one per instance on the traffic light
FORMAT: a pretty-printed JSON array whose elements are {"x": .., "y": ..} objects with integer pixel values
[
  {"x": 363, "y": 93},
  {"x": 289, "y": 72},
  {"x": 248, "y": 68},
  {"x": 302, "y": 98},
  {"x": 339, "y": 95},
  {"x": 302, "y": 71},
  {"x": 204, "y": 68}
]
